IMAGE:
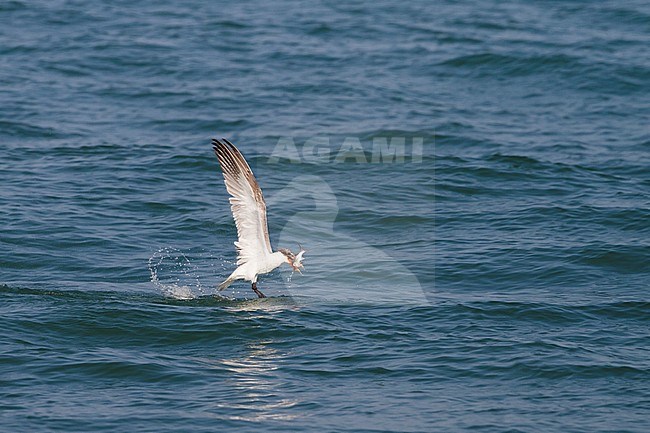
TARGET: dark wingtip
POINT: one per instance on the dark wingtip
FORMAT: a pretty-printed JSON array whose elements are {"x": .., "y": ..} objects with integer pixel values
[
  {"x": 224, "y": 143},
  {"x": 225, "y": 146},
  {"x": 231, "y": 146},
  {"x": 216, "y": 144}
]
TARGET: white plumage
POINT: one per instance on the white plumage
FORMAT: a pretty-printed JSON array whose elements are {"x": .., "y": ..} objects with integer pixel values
[{"x": 254, "y": 253}]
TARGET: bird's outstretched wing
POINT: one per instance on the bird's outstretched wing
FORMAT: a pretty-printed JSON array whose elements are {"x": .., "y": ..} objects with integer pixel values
[{"x": 246, "y": 203}]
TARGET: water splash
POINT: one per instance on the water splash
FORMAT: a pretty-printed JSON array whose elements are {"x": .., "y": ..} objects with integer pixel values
[{"x": 181, "y": 277}]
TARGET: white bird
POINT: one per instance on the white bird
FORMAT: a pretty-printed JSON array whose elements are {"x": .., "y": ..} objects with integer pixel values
[{"x": 254, "y": 254}]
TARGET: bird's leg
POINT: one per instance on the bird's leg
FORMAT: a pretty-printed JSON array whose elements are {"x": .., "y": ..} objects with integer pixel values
[{"x": 257, "y": 292}]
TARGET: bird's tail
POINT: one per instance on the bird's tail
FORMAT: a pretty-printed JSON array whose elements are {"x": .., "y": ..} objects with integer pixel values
[{"x": 228, "y": 281}]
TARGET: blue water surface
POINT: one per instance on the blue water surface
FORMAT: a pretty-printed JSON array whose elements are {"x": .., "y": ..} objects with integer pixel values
[{"x": 470, "y": 181}]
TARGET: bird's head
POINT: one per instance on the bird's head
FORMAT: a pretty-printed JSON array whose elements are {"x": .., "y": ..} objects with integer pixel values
[{"x": 294, "y": 260}]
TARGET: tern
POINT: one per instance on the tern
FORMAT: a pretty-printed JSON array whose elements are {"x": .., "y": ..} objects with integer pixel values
[{"x": 254, "y": 254}]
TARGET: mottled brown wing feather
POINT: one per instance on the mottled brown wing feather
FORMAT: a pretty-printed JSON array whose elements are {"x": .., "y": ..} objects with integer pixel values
[{"x": 247, "y": 201}]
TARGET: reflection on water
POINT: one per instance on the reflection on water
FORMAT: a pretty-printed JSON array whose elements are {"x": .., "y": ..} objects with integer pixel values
[{"x": 255, "y": 393}]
